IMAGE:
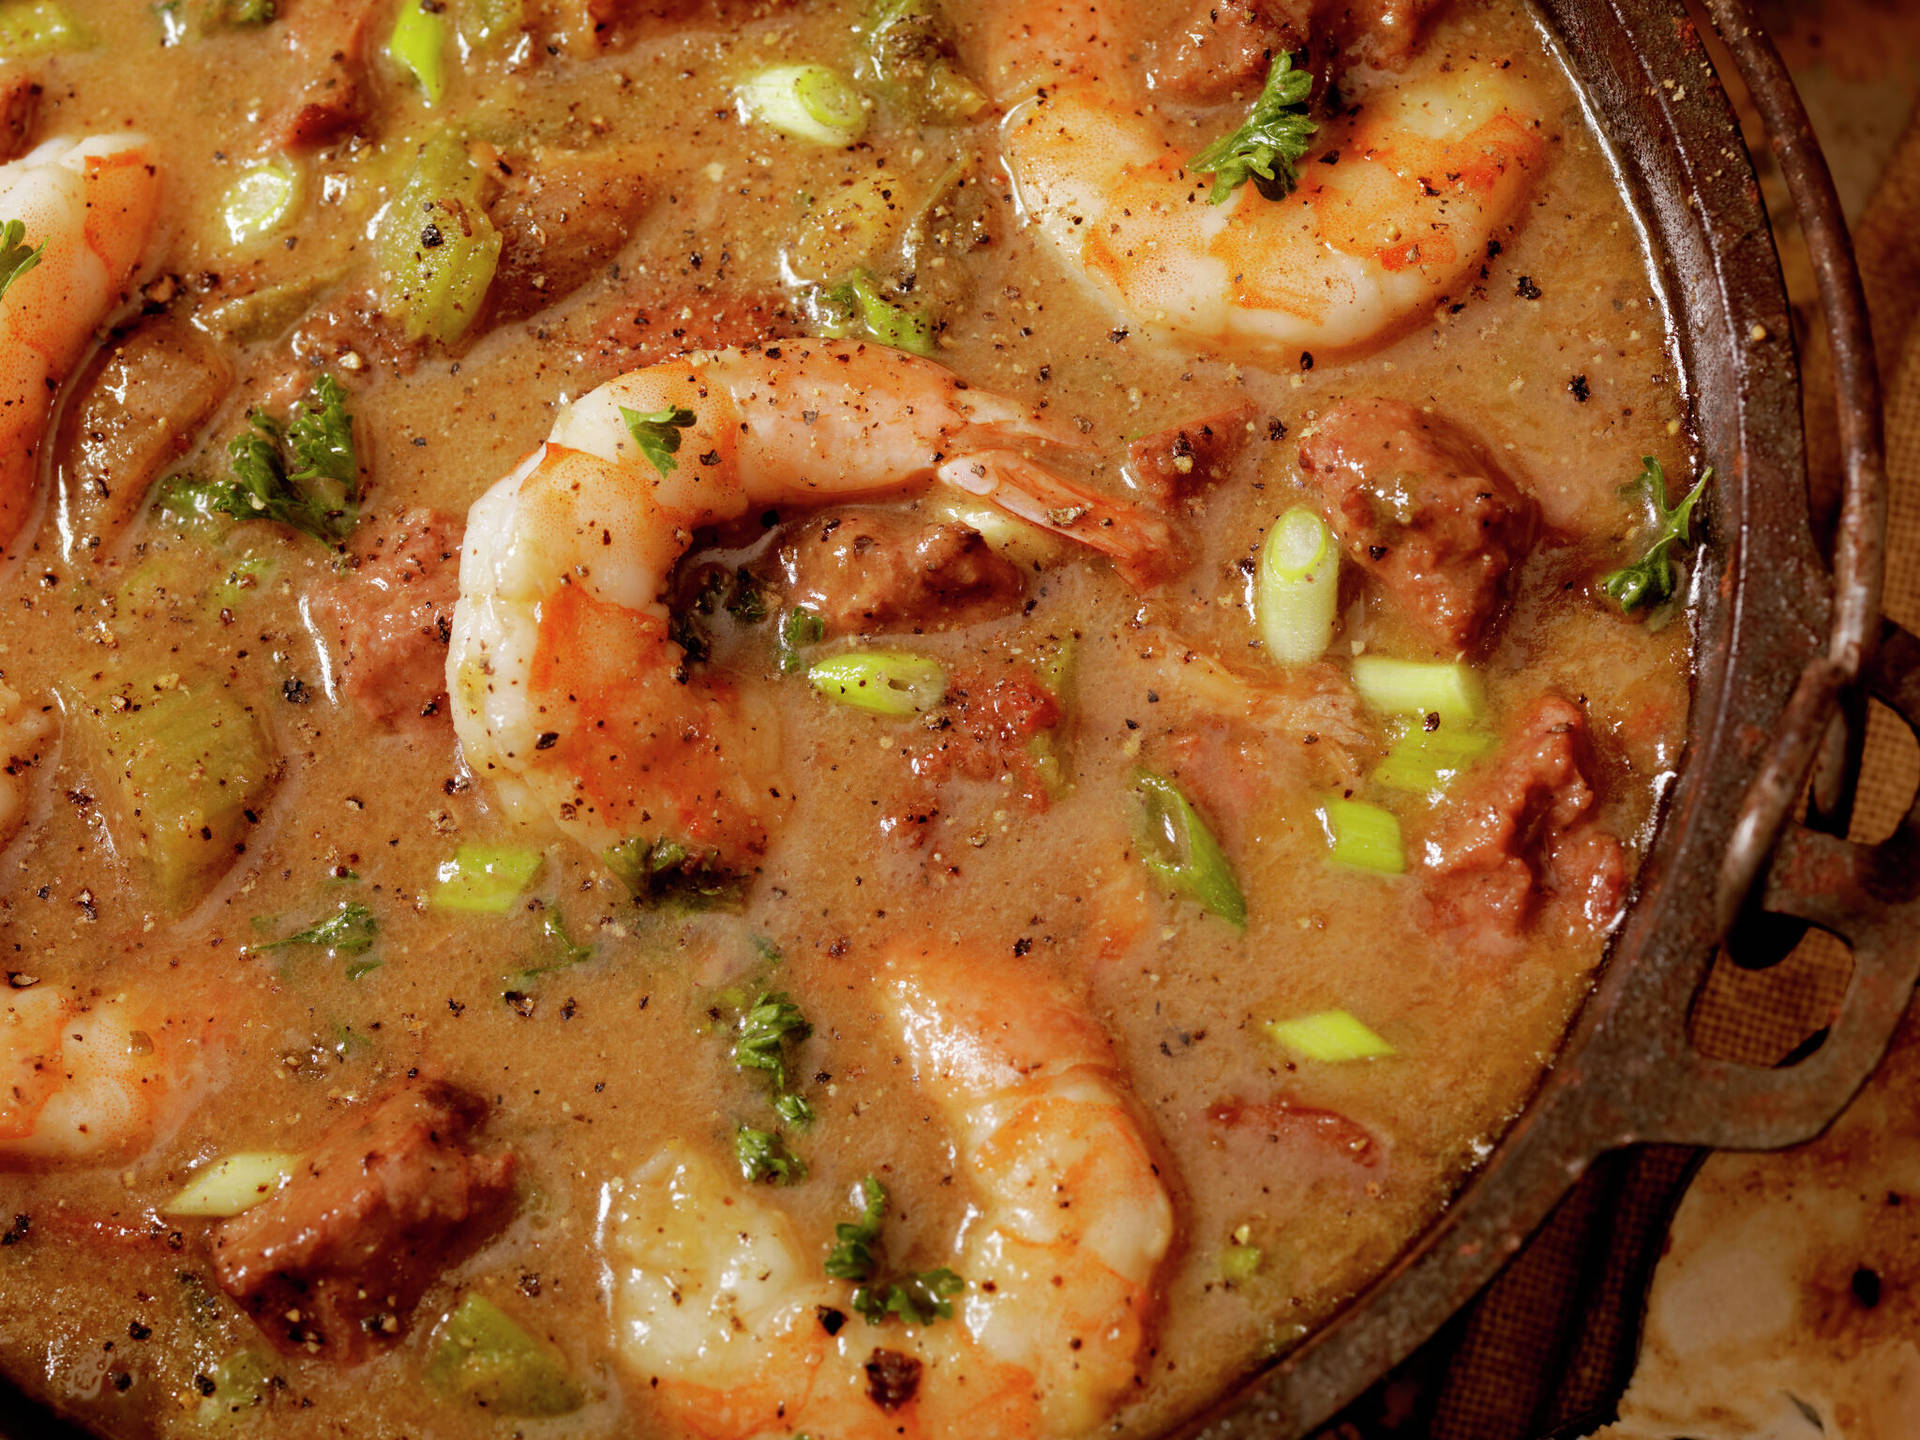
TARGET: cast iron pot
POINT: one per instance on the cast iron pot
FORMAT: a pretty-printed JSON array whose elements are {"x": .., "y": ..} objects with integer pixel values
[
  {"x": 1787, "y": 649},
  {"x": 1786, "y": 645}
]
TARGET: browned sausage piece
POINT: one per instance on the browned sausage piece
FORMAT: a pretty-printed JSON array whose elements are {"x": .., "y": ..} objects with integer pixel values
[
  {"x": 330, "y": 1264},
  {"x": 135, "y": 411},
  {"x": 1423, "y": 511},
  {"x": 19, "y": 105},
  {"x": 1183, "y": 460},
  {"x": 1524, "y": 831},
  {"x": 330, "y": 40},
  {"x": 864, "y": 571},
  {"x": 1225, "y": 46},
  {"x": 394, "y": 611},
  {"x": 563, "y": 216}
]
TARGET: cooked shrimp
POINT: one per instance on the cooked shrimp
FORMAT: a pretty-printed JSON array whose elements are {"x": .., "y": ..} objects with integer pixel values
[
  {"x": 1395, "y": 205},
  {"x": 90, "y": 1082},
  {"x": 716, "y": 1302},
  {"x": 92, "y": 204},
  {"x": 568, "y": 692},
  {"x": 23, "y": 730}
]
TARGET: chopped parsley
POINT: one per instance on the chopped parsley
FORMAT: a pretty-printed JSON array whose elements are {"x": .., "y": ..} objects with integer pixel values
[
  {"x": 799, "y": 629},
  {"x": 349, "y": 931},
  {"x": 917, "y": 1297},
  {"x": 765, "y": 1158},
  {"x": 658, "y": 434},
  {"x": 304, "y": 476},
  {"x": 562, "y": 952},
  {"x": 668, "y": 871},
  {"x": 768, "y": 1030},
  {"x": 1652, "y": 578},
  {"x": 1267, "y": 148},
  {"x": 16, "y": 258}
]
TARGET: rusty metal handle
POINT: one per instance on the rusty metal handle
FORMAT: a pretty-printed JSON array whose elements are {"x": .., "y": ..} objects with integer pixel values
[{"x": 1859, "y": 564}]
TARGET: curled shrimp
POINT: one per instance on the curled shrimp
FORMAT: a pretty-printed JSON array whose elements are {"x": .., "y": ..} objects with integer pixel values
[
  {"x": 567, "y": 690},
  {"x": 91, "y": 203},
  {"x": 1396, "y": 202},
  {"x": 90, "y": 1082},
  {"x": 719, "y": 1308}
]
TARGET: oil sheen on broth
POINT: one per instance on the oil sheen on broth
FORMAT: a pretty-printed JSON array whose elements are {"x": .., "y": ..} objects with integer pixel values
[{"x": 800, "y": 813}]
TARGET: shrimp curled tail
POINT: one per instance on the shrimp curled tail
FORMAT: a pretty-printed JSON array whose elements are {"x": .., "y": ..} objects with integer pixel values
[
  {"x": 92, "y": 204},
  {"x": 568, "y": 692},
  {"x": 721, "y": 1312}
]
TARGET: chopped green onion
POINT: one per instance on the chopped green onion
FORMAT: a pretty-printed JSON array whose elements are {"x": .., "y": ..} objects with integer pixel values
[
  {"x": 885, "y": 682},
  {"x": 1449, "y": 689},
  {"x": 1176, "y": 845},
  {"x": 29, "y": 28},
  {"x": 485, "y": 879},
  {"x": 1298, "y": 588},
  {"x": 418, "y": 45},
  {"x": 856, "y": 307},
  {"x": 239, "y": 1182},
  {"x": 260, "y": 201},
  {"x": 808, "y": 102},
  {"x": 483, "y": 1356},
  {"x": 1240, "y": 1261},
  {"x": 1363, "y": 836},
  {"x": 1428, "y": 761},
  {"x": 1329, "y": 1035}
]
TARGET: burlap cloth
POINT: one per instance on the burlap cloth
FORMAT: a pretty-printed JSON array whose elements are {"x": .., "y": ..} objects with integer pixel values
[{"x": 1782, "y": 1299}]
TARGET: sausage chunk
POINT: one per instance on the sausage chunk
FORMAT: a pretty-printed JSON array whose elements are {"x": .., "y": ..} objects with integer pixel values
[
  {"x": 1182, "y": 460},
  {"x": 1423, "y": 512},
  {"x": 1526, "y": 832},
  {"x": 1223, "y": 47},
  {"x": 136, "y": 410},
  {"x": 19, "y": 106},
  {"x": 329, "y": 41},
  {"x": 394, "y": 614},
  {"x": 881, "y": 570},
  {"x": 563, "y": 216},
  {"x": 332, "y": 1261}
]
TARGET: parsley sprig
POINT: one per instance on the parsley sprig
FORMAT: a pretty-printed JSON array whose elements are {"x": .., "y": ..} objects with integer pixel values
[
  {"x": 764, "y": 1157},
  {"x": 1267, "y": 148},
  {"x": 1652, "y": 578},
  {"x": 769, "y": 1029},
  {"x": 16, "y": 257},
  {"x": 658, "y": 434},
  {"x": 919, "y": 1297},
  {"x": 304, "y": 475}
]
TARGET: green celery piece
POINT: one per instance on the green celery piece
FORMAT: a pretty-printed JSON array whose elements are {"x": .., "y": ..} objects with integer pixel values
[
  {"x": 1363, "y": 836},
  {"x": 1428, "y": 761},
  {"x": 233, "y": 1184},
  {"x": 31, "y": 28},
  {"x": 883, "y": 682},
  {"x": 482, "y": 1355},
  {"x": 1176, "y": 845},
  {"x": 1239, "y": 1262},
  {"x": 485, "y": 879},
  {"x": 910, "y": 63},
  {"x": 436, "y": 250},
  {"x": 181, "y": 773},
  {"x": 1332, "y": 1036},
  {"x": 418, "y": 45}
]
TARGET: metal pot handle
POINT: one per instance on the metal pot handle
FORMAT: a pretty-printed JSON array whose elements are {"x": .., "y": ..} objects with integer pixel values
[{"x": 1864, "y": 894}]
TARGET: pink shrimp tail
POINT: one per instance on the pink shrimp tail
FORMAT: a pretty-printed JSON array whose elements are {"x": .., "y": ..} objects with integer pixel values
[{"x": 1140, "y": 545}]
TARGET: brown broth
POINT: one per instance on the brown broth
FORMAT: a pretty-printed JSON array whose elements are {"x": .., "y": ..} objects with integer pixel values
[{"x": 598, "y": 1065}]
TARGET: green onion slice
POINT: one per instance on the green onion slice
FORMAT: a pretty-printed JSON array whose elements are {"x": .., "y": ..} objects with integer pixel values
[
  {"x": 808, "y": 102},
  {"x": 1298, "y": 588},
  {"x": 1176, "y": 845},
  {"x": 1329, "y": 1035},
  {"x": 885, "y": 682},
  {"x": 1363, "y": 836},
  {"x": 1449, "y": 689},
  {"x": 260, "y": 201},
  {"x": 485, "y": 879}
]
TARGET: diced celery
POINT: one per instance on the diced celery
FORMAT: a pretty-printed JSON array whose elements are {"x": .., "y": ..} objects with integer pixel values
[
  {"x": 808, "y": 102},
  {"x": 485, "y": 879},
  {"x": 1363, "y": 836},
  {"x": 1427, "y": 761},
  {"x": 1240, "y": 1261},
  {"x": 435, "y": 247},
  {"x": 1449, "y": 689},
  {"x": 181, "y": 767},
  {"x": 30, "y": 28},
  {"x": 1176, "y": 845},
  {"x": 482, "y": 1356},
  {"x": 260, "y": 201},
  {"x": 910, "y": 61},
  {"x": 1329, "y": 1035},
  {"x": 483, "y": 23},
  {"x": 418, "y": 45},
  {"x": 262, "y": 314},
  {"x": 239, "y": 1182},
  {"x": 886, "y": 682},
  {"x": 240, "y": 1383},
  {"x": 1298, "y": 588},
  {"x": 1044, "y": 751}
]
